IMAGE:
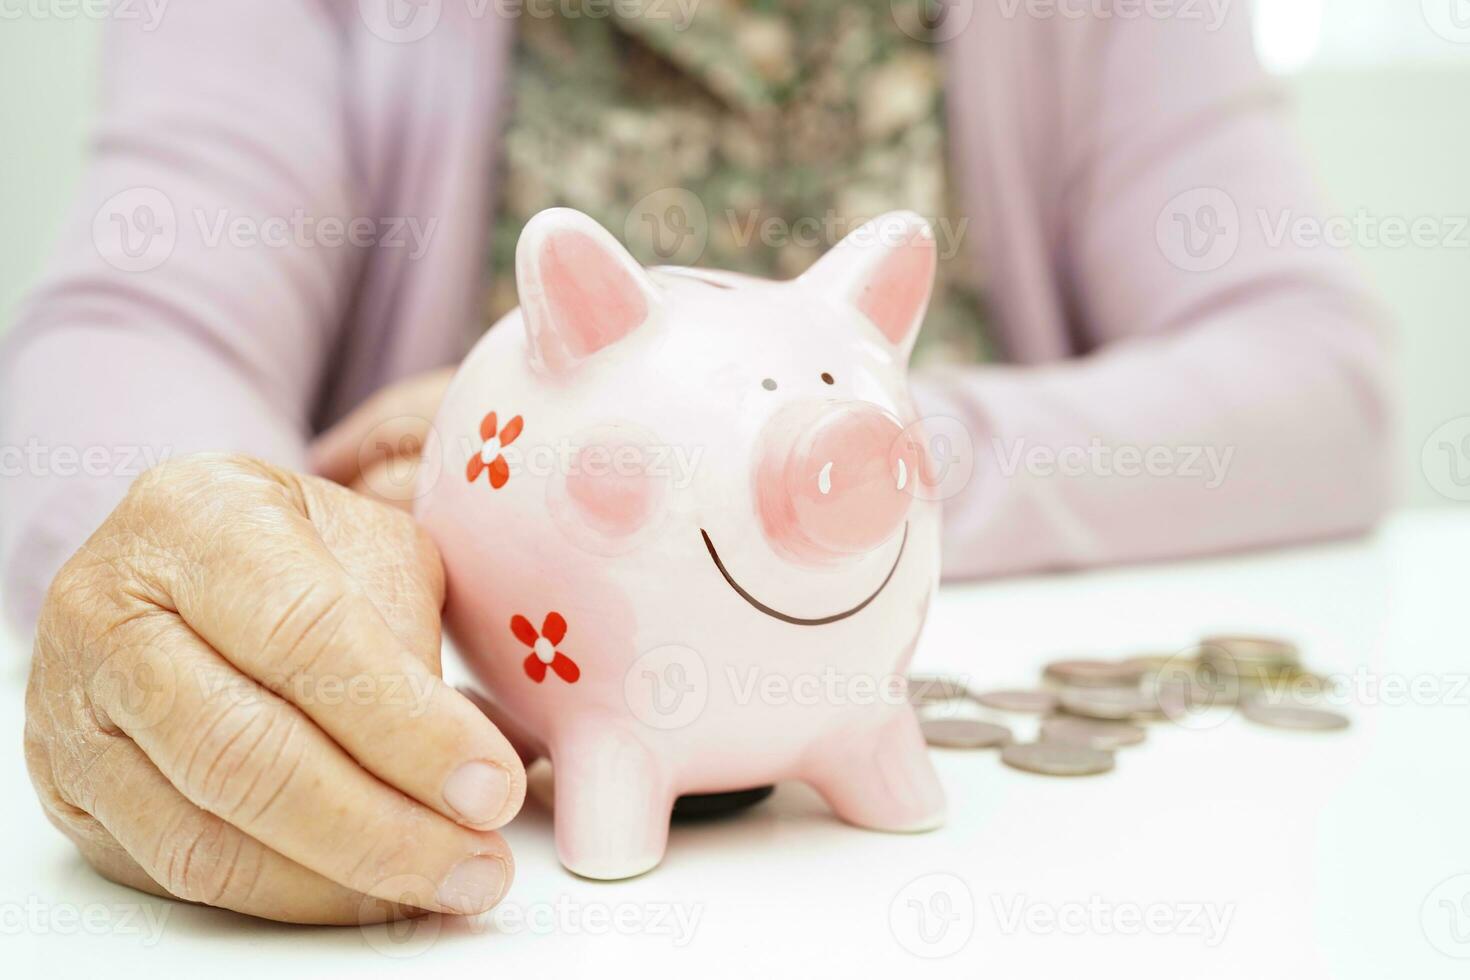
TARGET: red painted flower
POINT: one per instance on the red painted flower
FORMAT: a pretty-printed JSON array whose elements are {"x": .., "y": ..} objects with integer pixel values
[
  {"x": 489, "y": 458},
  {"x": 543, "y": 646}
]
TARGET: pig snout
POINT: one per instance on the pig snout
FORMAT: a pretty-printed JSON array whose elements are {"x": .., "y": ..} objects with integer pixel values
[{"x": 834, "y": 481}]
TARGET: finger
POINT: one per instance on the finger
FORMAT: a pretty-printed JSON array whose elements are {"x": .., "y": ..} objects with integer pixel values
[
  {"x": 150, "y": 837},
  {"x": 394, "y": 562},
  {"x": 391, "y": 420},
  {"x": 392, "y": 481},
  {"x": 261, "y": 587},
  {"x": 243, "y": 754},
  {"x": 100, "y": 849},
  {"x": 526, "y": 746}
]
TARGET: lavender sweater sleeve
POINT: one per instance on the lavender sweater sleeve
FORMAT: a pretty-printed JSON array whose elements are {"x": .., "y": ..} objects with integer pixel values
[
  {"x": 150, "y": 336},
  {"x": 1191, "y": 380}
]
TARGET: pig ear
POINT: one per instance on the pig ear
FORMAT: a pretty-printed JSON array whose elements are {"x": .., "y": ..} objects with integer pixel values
[
  {"x": 579, "y": 289},
  {"x": 886, "y": 270}
]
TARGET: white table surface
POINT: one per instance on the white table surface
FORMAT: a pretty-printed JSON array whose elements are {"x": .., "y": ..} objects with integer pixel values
[{"x": 1230, "y": 851}]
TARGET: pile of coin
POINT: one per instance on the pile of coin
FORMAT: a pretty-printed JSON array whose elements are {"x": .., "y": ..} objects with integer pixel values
[{"x": 1088, "y": 709}]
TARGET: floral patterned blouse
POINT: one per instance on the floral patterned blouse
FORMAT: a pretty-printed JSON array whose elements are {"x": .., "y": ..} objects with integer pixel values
[{"x": 750, "y": 136}]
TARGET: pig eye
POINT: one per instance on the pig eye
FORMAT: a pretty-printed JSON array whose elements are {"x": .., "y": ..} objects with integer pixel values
[
  {"x": 769, "y": 384},
  {"x": 827, "y": 378}
]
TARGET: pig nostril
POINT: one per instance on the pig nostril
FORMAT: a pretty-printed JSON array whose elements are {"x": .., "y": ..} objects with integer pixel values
[
  {"x": 903, "y": 474},
  {"x": 824, "y": 479}
]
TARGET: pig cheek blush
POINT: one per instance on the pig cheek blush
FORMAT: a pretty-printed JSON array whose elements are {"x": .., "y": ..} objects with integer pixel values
[
  {"x": 647, "y": 491},
  {"x": 613, "y": 504},
  {"x": 613, "y": 492}
]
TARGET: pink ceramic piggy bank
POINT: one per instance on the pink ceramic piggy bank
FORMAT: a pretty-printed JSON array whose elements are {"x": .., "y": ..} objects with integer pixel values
[{"x": 683, "y": 522}]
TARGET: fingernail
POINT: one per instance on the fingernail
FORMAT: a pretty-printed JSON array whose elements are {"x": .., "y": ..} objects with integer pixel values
[
  {"x": 473, "y": 885},
  {"x": 477, "y": 791}
]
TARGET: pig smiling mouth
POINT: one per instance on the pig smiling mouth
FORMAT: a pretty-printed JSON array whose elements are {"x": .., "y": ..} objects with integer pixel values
[{"x": 797, "y": 620}]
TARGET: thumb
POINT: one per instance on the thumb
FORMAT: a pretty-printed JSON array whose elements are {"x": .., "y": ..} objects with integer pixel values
[{"x": 393, "y": 422}]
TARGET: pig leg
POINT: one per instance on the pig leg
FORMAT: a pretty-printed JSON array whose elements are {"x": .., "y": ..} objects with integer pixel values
[
  {"x": 612, "y": 805},
  {"x": 881, "y": 778}
]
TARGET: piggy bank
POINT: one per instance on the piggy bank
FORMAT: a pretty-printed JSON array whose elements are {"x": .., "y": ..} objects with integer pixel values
[{"x": 685, "y": 534}]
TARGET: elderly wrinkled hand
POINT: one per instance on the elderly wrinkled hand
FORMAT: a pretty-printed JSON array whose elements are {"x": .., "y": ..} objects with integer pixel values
[{"x": 236, "y": 699}]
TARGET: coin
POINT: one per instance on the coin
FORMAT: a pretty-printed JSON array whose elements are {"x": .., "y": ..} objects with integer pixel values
[
  {"x": 1249, "y": 653},
  {"x": 1057, "y": 759},
  {"x": 1028, "y": 702},
  {"x": 1299, "y": 716},
  {"x": 964, "y": 733},
  {"x": 1090, "y": 733},
  {"x": 1109, "y": 704},
  {"x": 1178, "y": 692},
  {"x": 1151, "y": 663},
  {"x": 1095, "y": 673},
  {"x": 927, "y": 689},
  {"x": 1281, "y": 680}
]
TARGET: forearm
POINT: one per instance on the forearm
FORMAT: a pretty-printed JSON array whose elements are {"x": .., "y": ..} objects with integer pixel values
[
  {"x": 88, "y": 408},
  {"x": 1264, "y": 425}
]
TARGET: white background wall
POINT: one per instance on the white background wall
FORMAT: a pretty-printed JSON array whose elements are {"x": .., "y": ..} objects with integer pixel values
[{"x": 1383, "y": 96}]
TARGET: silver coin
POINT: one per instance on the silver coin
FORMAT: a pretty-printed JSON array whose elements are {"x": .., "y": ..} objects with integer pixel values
[
  {"x": 1107, "y": 704},
  {"x": 1057, "y": 759},
  {"x": 1096, "y": 673},
  {"x": 1249, "y": 653},
  {"x": 1090, "y": 733},
  {"x": 1298, "y": 716},
  {"x": 927, "y": 689},
  {"x": 1026, "y": 702},
  {"x": 964, "y": 733},
  {"x": 1151, "y": 663}
]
